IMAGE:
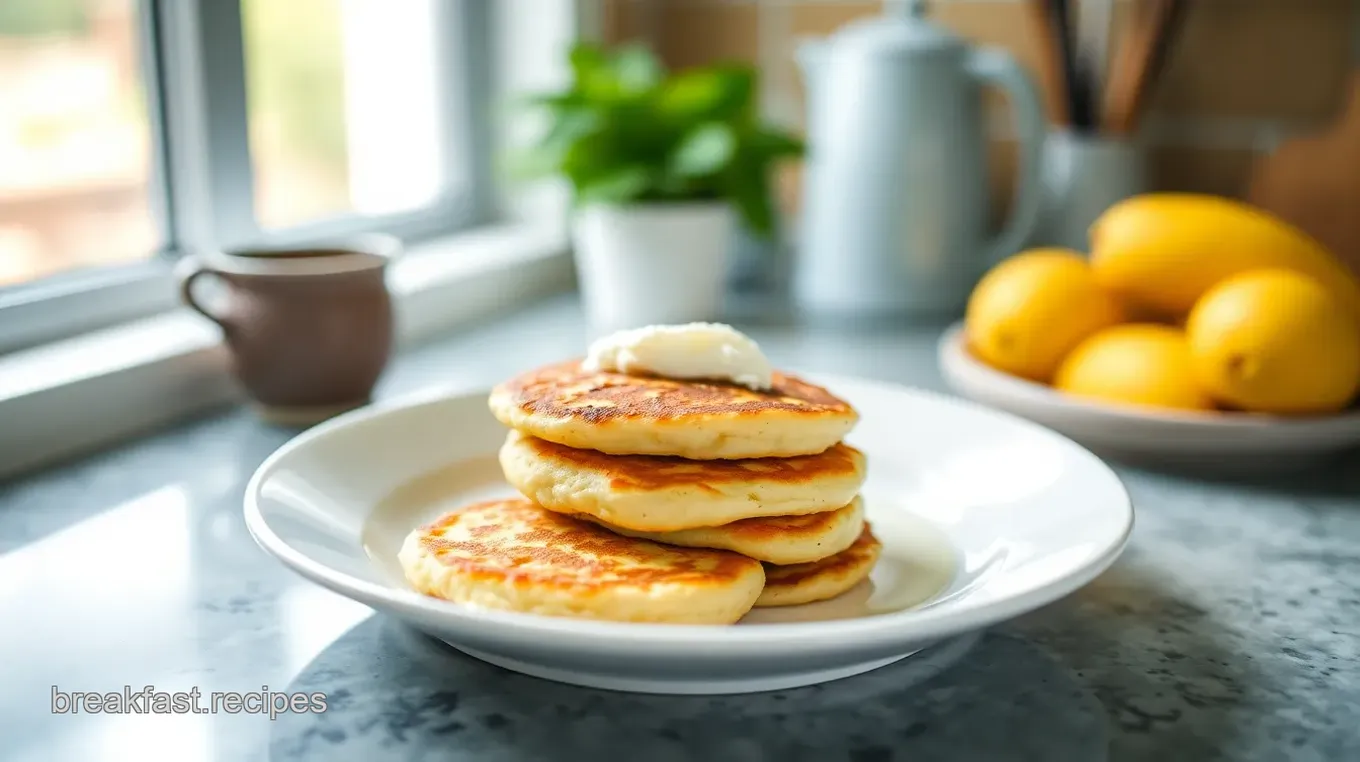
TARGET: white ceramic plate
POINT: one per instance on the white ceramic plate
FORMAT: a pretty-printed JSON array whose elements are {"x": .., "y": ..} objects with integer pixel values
[
  {"x": 1226, "y": 440},
  {"x": 983, "y": 517}
]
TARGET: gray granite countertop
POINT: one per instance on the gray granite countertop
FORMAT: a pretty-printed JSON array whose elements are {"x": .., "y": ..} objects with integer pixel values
[{"x": 1230, "y": 629}]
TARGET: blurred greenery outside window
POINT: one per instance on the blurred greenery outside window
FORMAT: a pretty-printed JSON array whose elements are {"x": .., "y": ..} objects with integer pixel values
[
  {"x": 48, "y": 17},
  {"x": 75, "y": 141},
  {"x": 295, "y": 90},
  {"x": 341, "y": 119},
  {"x": 342, "y": 107}
]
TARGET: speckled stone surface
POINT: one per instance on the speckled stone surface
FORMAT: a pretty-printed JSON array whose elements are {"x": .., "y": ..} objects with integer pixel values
[{"x": 1229, "y": 630}]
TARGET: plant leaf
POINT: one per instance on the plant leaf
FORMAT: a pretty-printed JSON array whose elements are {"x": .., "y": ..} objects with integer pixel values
[
  {"x": 595, "y": 75},
  {"x": 569, "y": 127},
  {"x": 705, "y": 150},
  {"x": 748, "y": 186},
  {"x": 619, "y": 185},
  {"x": 590, "y": 155},
  {"x": 549, "y": 153},
  {"x": 774, "y": 143},
  {"x": 701, "y": 94},
  {"x": 672, "y": 186},
  {"x": 636, "y": 69},
  {"x": 587, "y": 61}
]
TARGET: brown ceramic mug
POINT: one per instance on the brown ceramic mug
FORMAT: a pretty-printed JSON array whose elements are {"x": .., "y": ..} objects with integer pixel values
[{"x": 309, "y": 329}]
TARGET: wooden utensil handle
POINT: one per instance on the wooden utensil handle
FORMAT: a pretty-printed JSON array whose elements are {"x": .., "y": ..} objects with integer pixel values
[
  {"x": 1139, "y": 62},
  {"x": 1044, "y": 18}
]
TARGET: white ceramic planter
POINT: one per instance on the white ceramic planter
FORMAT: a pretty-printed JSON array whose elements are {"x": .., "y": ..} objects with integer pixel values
[{"x": 646, "y": 264}]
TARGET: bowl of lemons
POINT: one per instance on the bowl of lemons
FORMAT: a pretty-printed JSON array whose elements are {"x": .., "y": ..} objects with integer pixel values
[{"x": 1196, "y": 329}]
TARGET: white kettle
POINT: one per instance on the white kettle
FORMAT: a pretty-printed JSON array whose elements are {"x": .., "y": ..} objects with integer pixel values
[{"x": 895, "y": 214}]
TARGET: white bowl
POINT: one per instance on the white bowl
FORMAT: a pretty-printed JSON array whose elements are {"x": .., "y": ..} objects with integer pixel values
[
  {"x": 983, "y": 517},
  {"x": 1224, "y": 439}
]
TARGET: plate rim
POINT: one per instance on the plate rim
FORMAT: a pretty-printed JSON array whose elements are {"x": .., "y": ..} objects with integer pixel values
[
  {"x": 953, "y": 353},
  {"x": 883, "y": 630}
]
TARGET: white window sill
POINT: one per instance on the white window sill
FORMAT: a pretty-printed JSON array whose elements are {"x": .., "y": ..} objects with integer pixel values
[{"x": 69, "y": 397}]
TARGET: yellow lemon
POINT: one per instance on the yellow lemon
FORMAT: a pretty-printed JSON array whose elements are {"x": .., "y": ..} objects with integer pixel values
[
  {"x": 1275, "y": 341},
  {"x": 1028, "y": 312},
  {"x": 1163, "y": 251},
  {"x": 1144, "y": 364}
]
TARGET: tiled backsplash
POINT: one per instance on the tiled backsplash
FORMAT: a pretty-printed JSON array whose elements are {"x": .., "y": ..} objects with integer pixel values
[{"x": 1243, "y": 76}]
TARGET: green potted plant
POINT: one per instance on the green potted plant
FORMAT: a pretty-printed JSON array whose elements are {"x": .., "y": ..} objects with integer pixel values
[{"x": 662, "y": 167}]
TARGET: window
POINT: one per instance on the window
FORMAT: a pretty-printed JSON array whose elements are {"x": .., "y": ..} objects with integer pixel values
[
  {"x": 341, "y": 115},
  {"x": 75, "y": 140},
  {"x": 132, "y": 130}
]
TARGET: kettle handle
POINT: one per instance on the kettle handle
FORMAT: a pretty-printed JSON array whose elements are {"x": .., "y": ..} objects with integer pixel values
[{"x": 996, "y": 67}]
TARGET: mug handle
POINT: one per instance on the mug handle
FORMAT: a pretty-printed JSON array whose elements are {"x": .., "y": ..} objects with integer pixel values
[
  {"x": 996, "y": 67},
  {"x": 187, "y": 272}
]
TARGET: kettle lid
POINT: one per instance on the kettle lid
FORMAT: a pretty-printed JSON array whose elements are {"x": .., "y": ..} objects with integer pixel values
[{"x": 900, "y": 29}]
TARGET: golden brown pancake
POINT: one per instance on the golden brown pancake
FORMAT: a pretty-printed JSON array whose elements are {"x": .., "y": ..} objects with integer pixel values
[
  {"x": 641, "y": 415},
  {"x": 824, "y": 579},
  {"x": 775, "y": 539},
  {"x": 510, "y": 554},
  {"x": 655, "y": 493}
]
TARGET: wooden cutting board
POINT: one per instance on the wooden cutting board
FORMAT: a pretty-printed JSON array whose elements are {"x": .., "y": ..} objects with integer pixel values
[{"x": 1314, "y": 182}]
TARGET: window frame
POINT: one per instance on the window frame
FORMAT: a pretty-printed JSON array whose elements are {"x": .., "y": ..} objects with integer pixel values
[{"x": 201, "y": 179}]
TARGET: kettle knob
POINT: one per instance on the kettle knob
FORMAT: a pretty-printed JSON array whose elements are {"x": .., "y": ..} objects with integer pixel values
[{"x": 905, "y": 8}]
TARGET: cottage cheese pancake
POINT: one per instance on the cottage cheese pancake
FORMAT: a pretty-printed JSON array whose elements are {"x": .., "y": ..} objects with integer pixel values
[
  {"x": 824, "y": 579},
  {"x": 510, "y": 554},
  {"x": 650, "y": 493},
  {"x": 775, "y": 539},
  {"x": 624, "y": 414}
]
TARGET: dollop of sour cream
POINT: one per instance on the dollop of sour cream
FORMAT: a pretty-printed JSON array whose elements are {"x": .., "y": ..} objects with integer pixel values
[{"x": 691, "y": 351}]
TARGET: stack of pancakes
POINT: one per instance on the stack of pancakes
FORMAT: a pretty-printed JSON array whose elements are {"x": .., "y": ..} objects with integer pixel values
[{"x": 652, "y": 499}]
